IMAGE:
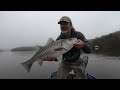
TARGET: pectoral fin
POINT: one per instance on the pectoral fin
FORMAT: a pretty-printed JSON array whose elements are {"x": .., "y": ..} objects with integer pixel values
[{"x": 37, "y": 48}]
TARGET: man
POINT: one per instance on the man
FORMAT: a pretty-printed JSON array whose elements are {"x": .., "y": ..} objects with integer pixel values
[{"x": 72, "y": 57}]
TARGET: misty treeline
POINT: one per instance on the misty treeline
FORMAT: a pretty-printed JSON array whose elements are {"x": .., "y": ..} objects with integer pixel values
[
  {"x": 1, "y": 50},
  {"x": 108, "y": 44},
  {"x": 26, "y": 48}
]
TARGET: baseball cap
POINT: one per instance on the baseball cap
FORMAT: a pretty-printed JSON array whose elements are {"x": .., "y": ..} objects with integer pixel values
[{"x": 64, "y": 18}]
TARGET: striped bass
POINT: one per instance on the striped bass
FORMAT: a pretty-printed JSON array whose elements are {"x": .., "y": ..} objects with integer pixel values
[{"x": 53, "y": 48}]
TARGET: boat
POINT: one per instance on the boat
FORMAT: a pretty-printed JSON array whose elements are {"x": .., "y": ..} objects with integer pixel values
[{"x": 71, "y": 75}]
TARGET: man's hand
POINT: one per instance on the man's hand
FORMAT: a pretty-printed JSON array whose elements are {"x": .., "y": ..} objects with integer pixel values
[
  {"x": 79, "y": 43},
  {"x": 49, "y": 58}
]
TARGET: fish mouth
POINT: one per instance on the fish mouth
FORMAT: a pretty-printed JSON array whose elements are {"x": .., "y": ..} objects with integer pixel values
[{"x": 75, "y": 39}]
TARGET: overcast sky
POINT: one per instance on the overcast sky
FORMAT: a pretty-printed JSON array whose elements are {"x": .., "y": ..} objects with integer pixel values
[{"x": 29, "y": 28}]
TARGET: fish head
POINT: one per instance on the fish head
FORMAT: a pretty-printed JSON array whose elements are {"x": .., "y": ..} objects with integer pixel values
[
  {"x": 66, "y": 45},
  {"x": 71, "y": 41}
]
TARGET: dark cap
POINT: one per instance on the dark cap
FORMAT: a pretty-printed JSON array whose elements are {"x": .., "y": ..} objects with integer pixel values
[{"x": 64, "y": 18}]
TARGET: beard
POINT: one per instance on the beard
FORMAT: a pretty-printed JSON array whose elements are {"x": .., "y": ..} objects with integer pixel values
[{"x": 64, "y": 31}]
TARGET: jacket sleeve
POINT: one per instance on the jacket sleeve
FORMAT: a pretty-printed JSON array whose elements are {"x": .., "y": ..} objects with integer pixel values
[{"x": 86, "y": 46}]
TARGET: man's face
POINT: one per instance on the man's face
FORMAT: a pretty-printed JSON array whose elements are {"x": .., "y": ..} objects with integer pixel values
[{"x": 65, "y": 27}]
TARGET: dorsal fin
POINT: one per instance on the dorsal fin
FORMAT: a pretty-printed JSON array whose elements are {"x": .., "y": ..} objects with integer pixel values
[
  {"x": 50, "y": 40},
  {"x": 38, "y": 47}
]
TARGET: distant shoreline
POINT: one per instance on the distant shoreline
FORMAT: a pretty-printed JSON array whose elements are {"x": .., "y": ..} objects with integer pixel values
[
  {"x": 29, "y": 48},
  {"x": 1, "y": 50}
]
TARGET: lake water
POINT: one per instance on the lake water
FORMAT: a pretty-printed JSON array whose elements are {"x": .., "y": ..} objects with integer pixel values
[{"x": 100, "y": 66}]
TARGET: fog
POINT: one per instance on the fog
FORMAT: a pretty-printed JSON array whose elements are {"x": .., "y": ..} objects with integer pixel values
[{"x": 29, "y": 28}]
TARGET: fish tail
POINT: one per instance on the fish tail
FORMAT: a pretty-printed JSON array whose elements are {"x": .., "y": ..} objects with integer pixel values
[{"x": 27, "y": 65}]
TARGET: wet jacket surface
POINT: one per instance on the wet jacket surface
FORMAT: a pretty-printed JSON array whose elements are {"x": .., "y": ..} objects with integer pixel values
[{"x": 74, "y": 53}]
